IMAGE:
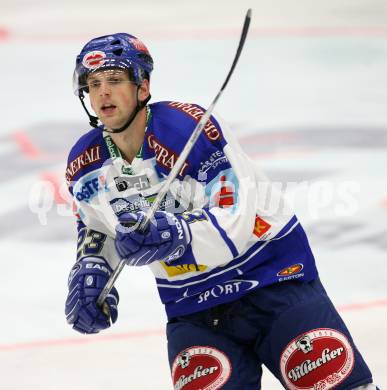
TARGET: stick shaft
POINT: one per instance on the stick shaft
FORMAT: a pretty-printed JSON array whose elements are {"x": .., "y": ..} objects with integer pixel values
[{"x": 180, "y": 161}]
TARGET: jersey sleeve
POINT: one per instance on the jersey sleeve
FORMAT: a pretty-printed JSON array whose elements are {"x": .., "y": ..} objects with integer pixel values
[
  {"x": 92, "y": 243},
  {"x": 94, "y": 239},
  {"x": 224, "y": 183}
]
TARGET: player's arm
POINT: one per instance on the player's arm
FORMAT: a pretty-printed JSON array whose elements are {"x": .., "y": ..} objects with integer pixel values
[
  {"x": 95, "y": 259},
  {"x": 87, "y": 278},
  {"x": 210, "y": 235}
]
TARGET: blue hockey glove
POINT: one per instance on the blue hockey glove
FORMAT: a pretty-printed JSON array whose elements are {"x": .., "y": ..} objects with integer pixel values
[
  {"x": 166, "y": 238},
  {"x": 86, "y": 281}
]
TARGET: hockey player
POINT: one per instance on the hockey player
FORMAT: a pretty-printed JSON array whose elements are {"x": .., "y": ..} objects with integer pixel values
[{"x": 237, "y": 278}]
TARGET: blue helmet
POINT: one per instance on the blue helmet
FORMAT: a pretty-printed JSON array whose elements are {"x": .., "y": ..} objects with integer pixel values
[{"x": 121, "y": 50}]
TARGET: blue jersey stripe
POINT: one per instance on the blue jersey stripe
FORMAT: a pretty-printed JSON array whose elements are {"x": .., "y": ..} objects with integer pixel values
[{"x": 224, "y": 235}]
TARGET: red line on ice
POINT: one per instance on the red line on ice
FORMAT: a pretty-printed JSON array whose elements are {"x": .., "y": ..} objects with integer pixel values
[
  {"x": 25, "y": 144},
  {"x": 380, "y": 303},
  {"x": 87, "y": 339},
  {"x": 362, "y": 306},
  {"x": 4, "y": 34}
]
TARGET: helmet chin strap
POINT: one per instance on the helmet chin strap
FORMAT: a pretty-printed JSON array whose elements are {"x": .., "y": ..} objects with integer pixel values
[{"x": 93, "y": 120}]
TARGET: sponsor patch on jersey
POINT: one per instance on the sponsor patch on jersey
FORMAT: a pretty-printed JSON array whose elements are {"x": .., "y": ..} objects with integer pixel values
[
  {"x": 138, "y": 182},
  {"x": 175, "y": 270},
  {"x": 319, "y": 359},
  {"x": 214, "y": 160},
  {"x": 235, "y": 286},
  {"x": 89, "y": 186},
  {"x": 291, "y": 272},
  {"x": 164, "y": 156},
  {"x": 89, "y": 156},
  {"x": 94, "y": 59},
  {"x": 137, "y": 202},
  {"x": 261, "y": 227},
  {"x": 200, "y": 367},
  {"x": 223, "y": 190},
  {"x": 225, "y": 196},
  {"x": 211, "y": 131},
  {"x": 113, "y": 150}
]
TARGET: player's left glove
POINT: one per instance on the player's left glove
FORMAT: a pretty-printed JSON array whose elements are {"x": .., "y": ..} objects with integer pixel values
[
  {"x": 166, "y": 238},
  {"x": 86, "y": 280}
]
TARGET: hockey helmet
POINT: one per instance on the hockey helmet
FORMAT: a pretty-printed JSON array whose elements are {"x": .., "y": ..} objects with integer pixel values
[{"x": 116, "y": 51}]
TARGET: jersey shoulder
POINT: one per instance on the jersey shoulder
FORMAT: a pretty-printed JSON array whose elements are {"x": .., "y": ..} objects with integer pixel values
[
  {"x": 87, "y": 154},
  {"x": 180, "y": 119},
  {"x": 171, "y": 125}
]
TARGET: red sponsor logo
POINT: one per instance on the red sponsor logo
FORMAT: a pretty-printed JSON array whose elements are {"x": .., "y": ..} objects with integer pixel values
[
  {"x": 210, "y": 130},
  {"x": 199, "y": 367},
  {"x": 94, "y": 59},
  {"x": 317, "y": 360},
  {"x": 260, "y": 227},
  {"x": 291, "y": 270},
  {"x": 138, "y": 45},
  {"x": 89, "y": 156},
  {"x": 225, "y": 196},
  {"x": 165, "y": 156}
]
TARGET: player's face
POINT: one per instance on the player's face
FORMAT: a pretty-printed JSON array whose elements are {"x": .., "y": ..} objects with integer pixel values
[{"x": 113, "y": 96}]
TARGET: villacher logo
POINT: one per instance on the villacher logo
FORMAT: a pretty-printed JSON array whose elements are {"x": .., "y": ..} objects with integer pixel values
[
  {"x": 200, "y": 367},
  {"x": 317, "y": 360}
]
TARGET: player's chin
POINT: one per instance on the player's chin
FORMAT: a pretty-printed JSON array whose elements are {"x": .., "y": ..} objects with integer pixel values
[{"x": 111, "y": 122}]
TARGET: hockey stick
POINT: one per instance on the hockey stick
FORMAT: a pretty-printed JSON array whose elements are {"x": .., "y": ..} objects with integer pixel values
[{"x": 179, "y": 163}]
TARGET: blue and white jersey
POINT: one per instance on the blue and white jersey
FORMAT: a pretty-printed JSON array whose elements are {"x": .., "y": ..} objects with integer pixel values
[{"x": 243, "y": 234}]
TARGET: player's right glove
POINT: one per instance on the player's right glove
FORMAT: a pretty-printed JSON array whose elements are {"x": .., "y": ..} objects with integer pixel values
[
  {"x": 86, "y": 280},
  {"x": 166, "y": 238}
]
